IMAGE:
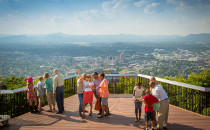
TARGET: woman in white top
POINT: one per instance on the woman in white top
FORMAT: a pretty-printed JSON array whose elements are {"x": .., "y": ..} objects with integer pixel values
[
  {"x": 88, "y": 94},
  {"x": 138, "y": 92}
]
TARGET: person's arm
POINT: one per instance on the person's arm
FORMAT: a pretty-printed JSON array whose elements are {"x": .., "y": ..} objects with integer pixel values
[
  {"x": 43, "y": 89},
  {"x": 55, "y": 83},
  {"x": 104, "y": 84},
  {"x": 78, "y": 71},
  {"x": 134, "y": 98},
  {"x": 157, "y": 93},
  {"x": 33, "y": 90},
  {"x": 145, "y": 102}
]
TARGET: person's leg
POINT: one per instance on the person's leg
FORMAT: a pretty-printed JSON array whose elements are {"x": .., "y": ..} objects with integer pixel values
[
  {"x": 53, "y": 101},
  {"x": 162, "y": 113},
  {"x": 91, "y": 107},
  {"x": 62, "y": 98},
  {"x": 30, "y": 105},
  {"x": 146, "y": 124},
  {"x": 146, "y": 120},
  {"x": 166, "y": 115},
  {"x": 100, "y": 111},
  {"x": 83, "y": 109},
  {"x": 152, "y": 119},
  {"x": 136, "y": 110},
  {"x": 140, "y": 104},
  {"x": 35, "y": 105},
  {"x": 58, "y": 99},
  {"x": 80, "y": 96},
  {"x": 49, "y": 101}
]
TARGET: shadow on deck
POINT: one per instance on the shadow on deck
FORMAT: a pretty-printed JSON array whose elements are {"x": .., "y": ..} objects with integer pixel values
[{"x": 122, "y": 109}]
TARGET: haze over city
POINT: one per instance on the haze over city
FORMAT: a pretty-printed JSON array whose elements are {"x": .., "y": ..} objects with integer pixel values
[{"x": 102, "y": 17}]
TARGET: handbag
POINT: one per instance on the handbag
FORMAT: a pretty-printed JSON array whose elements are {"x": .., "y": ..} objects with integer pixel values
[{"x": 98, "y": 103}]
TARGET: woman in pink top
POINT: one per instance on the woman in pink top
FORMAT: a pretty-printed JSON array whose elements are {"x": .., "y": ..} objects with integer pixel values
[{"x": 104, "y": 94}]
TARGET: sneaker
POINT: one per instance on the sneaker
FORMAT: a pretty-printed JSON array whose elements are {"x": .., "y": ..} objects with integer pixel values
[
  {"x": 99, "y": 113},
  {"x": 136, "y": 120}
]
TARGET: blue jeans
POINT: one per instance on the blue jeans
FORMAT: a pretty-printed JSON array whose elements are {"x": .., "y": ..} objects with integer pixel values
[
  {"x": 80, "y": 96},
  {"x": 60, "y": 98},
  {"x": 138, "y": 107}
]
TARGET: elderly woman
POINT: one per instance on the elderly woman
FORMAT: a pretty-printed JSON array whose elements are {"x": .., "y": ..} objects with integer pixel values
[{"x": 104, "y": 93}]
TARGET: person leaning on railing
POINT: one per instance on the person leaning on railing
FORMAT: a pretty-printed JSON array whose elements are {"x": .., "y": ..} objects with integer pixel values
[
  {"x": 162, "y": 96},
  {"x": 58, "y": 90}
]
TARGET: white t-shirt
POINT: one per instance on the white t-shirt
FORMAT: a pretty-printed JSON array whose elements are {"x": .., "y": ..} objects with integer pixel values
[
  {"x": 138, "y": 92},
  {"x": 159, "y": 92},
  {"x": 87, "y": 83}
]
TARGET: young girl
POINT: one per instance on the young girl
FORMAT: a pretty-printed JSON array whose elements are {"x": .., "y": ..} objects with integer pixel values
[
  {"x": 49, "y": 91},
  {"x": 138, "y": 91},
  {"x": 31, "y": 95},
  {"x": 40, "y": 92},
  {"x": 88, "y": 94}
]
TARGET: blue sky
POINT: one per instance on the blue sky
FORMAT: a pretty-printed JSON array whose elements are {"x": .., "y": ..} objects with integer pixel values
[{"x": 82, "y": 17}]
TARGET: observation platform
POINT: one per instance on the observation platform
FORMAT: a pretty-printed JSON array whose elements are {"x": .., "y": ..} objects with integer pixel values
[{"x": 122, "y": 110}]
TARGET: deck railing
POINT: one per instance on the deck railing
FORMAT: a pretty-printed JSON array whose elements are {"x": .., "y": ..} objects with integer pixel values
[{"x": 190, "y": 97}]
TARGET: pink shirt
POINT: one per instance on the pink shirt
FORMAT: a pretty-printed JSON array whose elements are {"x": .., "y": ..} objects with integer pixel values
[{"x": 104, "y": 91}]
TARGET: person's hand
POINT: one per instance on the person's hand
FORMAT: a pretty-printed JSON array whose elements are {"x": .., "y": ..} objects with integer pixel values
[
  {"x": 78, "y": 71},
  {"x": 54, "y": 94}
]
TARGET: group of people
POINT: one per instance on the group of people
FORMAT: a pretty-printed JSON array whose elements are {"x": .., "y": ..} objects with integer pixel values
[
  {"x": 156, "y": 104},
  {"x": 54, "y": 87},
  {"x": 86, "y": 88},
  {"x": 156, "y": 99}
]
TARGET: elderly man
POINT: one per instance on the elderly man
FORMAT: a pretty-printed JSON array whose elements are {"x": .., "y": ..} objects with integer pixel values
[
  {"x": 161, "y": 95},
  {"x": 58, "y": 90}
]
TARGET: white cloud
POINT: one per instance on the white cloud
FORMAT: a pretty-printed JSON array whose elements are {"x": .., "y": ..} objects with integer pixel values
[
  {"x": 140, "y": 3},
  {"x": 151, "y": 8}
]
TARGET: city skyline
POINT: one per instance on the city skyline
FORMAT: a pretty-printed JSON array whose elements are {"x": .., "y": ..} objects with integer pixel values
[{"x": 142, "y": 17}]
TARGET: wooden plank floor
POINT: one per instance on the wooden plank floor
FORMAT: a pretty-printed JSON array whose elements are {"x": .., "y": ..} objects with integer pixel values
[{"x": 122, "y": 109}]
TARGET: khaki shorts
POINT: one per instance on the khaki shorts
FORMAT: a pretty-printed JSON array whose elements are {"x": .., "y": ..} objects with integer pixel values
[
  {"x": 40, "y": 98},
  {"x": 50, "y": 99}
]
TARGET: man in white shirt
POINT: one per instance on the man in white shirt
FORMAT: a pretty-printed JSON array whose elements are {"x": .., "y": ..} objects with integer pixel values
[{"x": 162, "y": 96}]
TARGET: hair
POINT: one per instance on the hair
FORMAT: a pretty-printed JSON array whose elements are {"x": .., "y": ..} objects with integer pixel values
[
  {"x": 29, "y": 82},
  {"x": 152, "y": 83},
  {"x": 147, "y": 91},
  {"x": 46, "y": 75},
  {"x": 55, "y": 71},
  {"x": 102, "y": 74},
  {"x": 153, "y": 78},
  {"x": 95, "y": 73},
  {"x": 40, "y": 78},
  {"x": 138, "y": 84}
]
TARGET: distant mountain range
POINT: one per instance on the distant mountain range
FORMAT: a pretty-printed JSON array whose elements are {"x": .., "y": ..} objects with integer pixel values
[{"x": 65, "y": 38}]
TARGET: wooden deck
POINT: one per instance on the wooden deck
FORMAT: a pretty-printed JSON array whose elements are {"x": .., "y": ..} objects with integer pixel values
[{"x": 122, "y": 109}]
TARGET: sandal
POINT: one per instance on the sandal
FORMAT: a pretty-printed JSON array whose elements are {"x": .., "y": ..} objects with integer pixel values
[{"x": 90, "y": 114}]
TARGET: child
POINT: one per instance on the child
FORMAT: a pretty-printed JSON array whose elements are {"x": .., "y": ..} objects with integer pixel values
[
  {"x": 138, "y": 91},
  {"x": 49, "y": 91},
  {"x": 40, "y": 92},
  {"x": 88, "y": 94},
  {"x": 31, "y": 95},
  {"x": 149, "y": 100}
]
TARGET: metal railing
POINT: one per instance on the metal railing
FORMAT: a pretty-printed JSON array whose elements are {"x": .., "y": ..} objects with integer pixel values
[
  {"x": 15, "y": 103},
  {"x": 190, "y": 97}
]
